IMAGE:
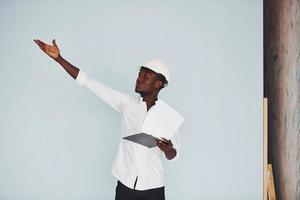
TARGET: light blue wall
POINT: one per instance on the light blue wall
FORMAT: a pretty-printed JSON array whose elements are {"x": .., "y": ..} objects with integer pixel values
[{"x": 58, "y": 140}]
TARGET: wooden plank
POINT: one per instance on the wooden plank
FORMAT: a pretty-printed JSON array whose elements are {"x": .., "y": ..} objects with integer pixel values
[
  {"x": 271, "y": 187},
  {"x": 265, "y": 145}
]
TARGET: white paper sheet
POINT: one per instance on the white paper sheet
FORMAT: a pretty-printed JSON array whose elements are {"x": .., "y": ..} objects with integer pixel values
[{"x": 162, "y": 121}]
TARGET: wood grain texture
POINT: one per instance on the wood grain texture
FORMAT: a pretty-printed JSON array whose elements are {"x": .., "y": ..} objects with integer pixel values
[
  {"x": 282, "y": 87},
  {"x": 271, "y": 188}
]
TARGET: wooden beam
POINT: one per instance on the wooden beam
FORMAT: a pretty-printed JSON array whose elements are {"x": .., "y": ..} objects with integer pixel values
[
  {"x": 271, "y": 187},
  {"x": 265, "y": 145}
]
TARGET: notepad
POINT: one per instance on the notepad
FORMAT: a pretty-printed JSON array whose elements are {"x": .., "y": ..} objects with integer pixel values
[{"x": 162, "y": 121}]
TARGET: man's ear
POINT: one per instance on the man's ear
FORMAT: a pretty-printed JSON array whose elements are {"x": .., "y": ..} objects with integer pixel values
[{"x": 158, "y": 84}]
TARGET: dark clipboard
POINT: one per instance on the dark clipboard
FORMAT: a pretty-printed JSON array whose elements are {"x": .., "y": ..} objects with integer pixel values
[{"x": 142, "y": 139}]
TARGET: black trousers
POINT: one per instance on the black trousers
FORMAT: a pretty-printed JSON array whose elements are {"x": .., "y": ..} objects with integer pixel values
[{"x": 125, "y": 193}]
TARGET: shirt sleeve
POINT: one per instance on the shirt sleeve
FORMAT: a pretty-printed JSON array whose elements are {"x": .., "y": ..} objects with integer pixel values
[
  {"x": 176, "y": 144},
  {"x": 112, "y": 97}
]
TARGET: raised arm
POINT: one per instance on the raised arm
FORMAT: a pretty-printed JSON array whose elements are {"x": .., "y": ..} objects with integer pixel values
[{"x": 53, "y": 52}]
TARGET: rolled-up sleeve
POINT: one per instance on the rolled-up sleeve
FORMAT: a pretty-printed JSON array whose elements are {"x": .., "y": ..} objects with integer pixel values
[
  {"x": 81, "y": 77},
  {"x": 114, "y": 98}
]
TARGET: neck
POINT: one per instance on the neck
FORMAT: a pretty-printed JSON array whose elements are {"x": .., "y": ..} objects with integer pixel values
[{"x": 150, "y": 100}]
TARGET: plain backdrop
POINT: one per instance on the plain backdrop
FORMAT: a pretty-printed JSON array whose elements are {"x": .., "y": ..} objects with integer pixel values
[{"x": 58, "y": 140}]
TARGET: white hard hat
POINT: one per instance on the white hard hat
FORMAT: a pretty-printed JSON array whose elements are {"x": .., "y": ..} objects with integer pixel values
[{"x": 158, "y": 66}]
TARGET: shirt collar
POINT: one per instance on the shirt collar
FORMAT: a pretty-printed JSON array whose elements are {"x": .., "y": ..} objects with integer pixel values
[{"x": 141, "y": 99}]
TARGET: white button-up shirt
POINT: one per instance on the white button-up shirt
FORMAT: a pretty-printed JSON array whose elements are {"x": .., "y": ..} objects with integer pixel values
[{"x": 133, "y": 160}]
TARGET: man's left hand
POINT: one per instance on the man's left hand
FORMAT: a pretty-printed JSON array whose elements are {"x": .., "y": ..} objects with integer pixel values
[
  {"x": 164, "y": 144},
  {"x": 167, "y": 147}
]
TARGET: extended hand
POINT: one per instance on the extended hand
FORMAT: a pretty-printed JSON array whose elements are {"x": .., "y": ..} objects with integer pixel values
[{"x": 50, "y": 50}]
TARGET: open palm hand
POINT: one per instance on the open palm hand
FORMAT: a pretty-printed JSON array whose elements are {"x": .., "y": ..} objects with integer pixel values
[{"x": 50, "y": 50}]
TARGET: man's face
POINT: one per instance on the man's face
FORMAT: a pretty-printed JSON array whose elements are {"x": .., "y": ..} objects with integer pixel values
[{"x": 146, "y": 81}]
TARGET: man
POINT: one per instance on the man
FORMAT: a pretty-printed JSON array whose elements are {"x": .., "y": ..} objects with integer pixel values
[{"x": 138, "y": 169}]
